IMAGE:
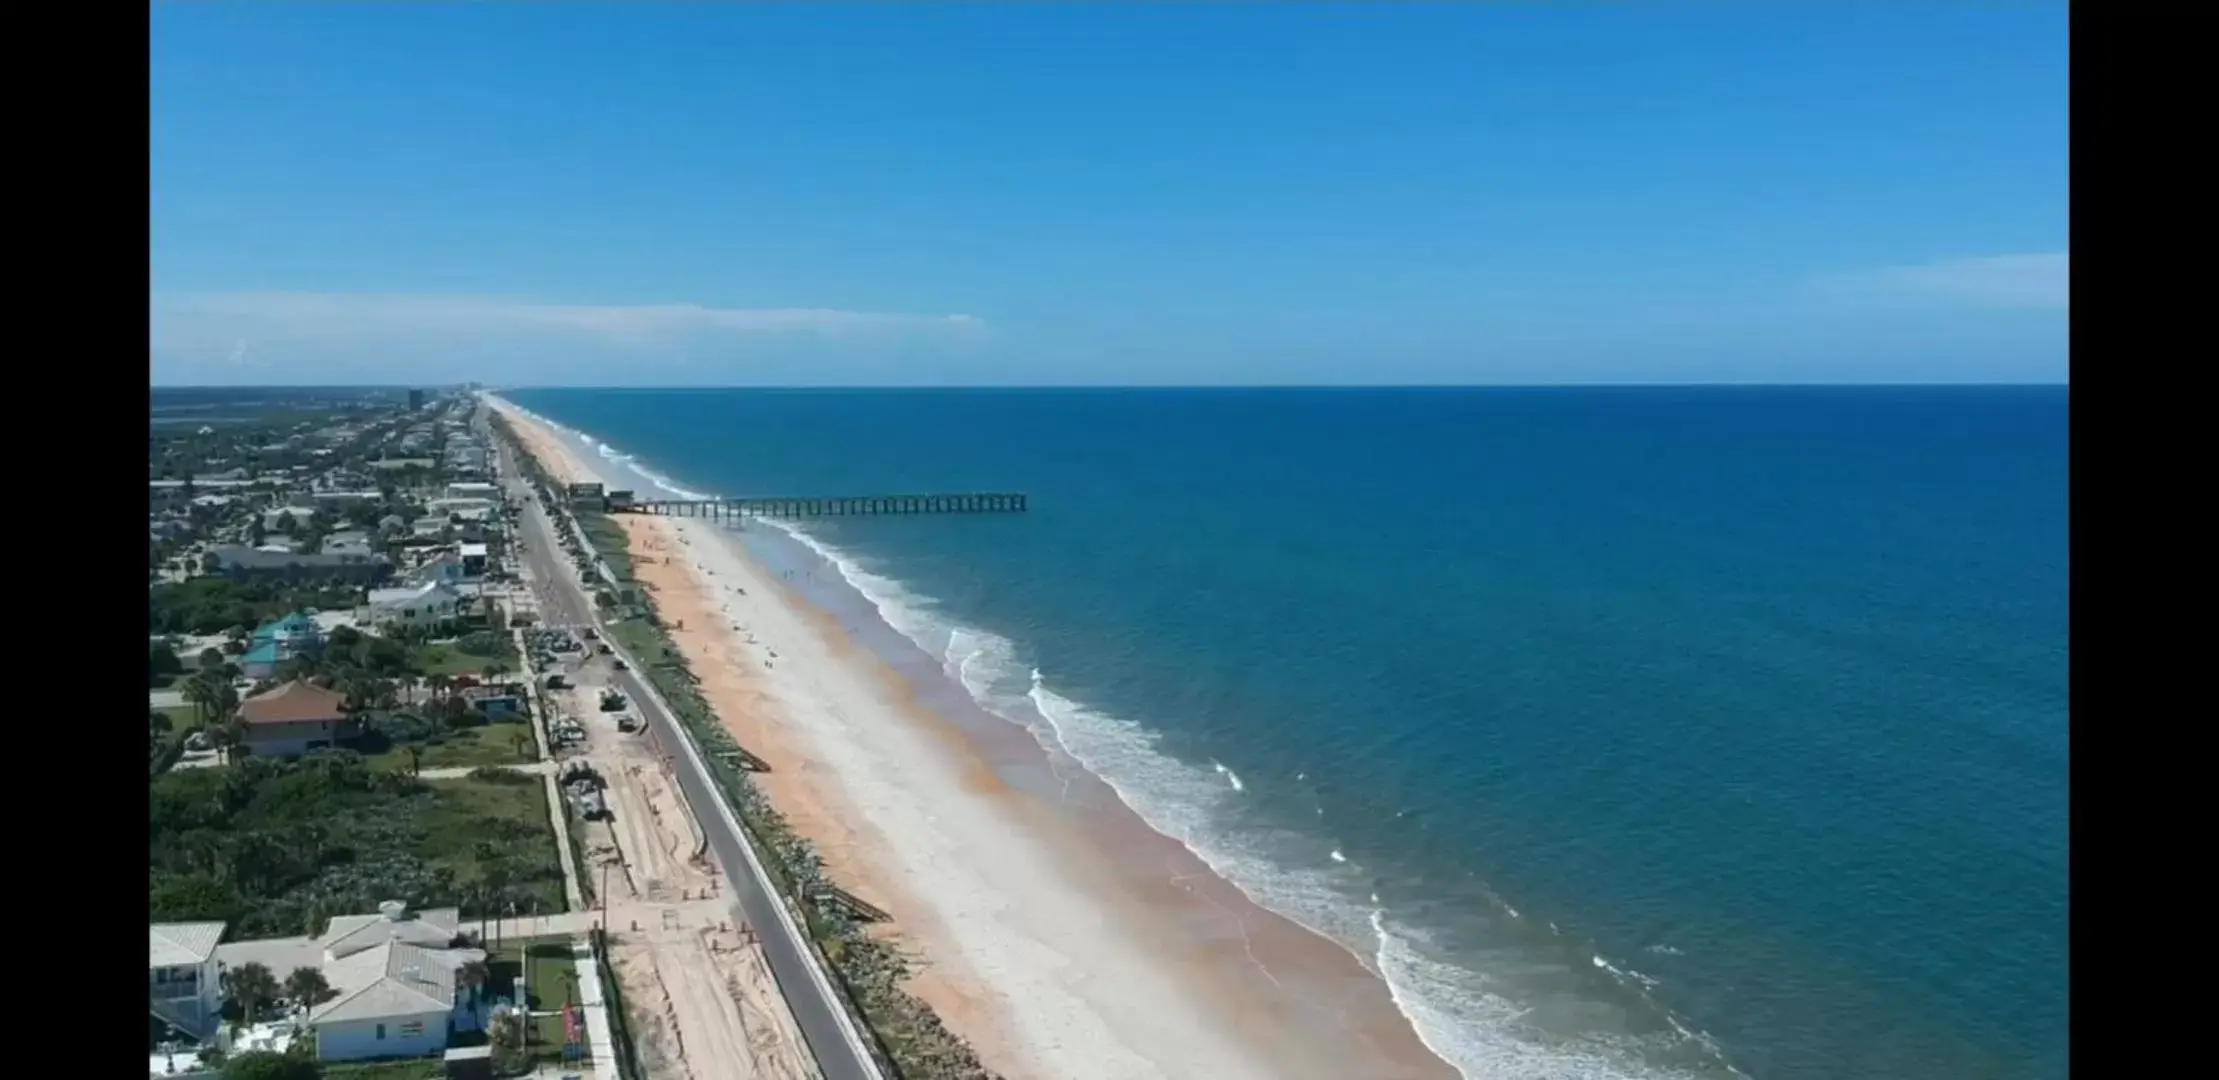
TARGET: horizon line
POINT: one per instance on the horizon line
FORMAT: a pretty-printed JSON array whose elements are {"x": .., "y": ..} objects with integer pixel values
[{"x": 1053, "y": 387}]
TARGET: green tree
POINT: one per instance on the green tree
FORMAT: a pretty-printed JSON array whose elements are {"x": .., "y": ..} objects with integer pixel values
[
  {"x": 264, "y": 1065},
  {"x": 161, "y": 663},
  {"x": 507, "y": 1033},
  {"x": 307, "y": 988},
  {"x": 252, "y": 986},
  {"x": 211, "y": 658}
]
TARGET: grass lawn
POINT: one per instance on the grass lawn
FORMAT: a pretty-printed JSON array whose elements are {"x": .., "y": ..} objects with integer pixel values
[
  {"x": 611, "y": 542},
  {"x": 508, "y": 815},
  {"x": 493, "y": 744},
  {"x": 445, "y": 659},
  {"x": 181, "y": 716},
  {"x": 550, "y": 982},
  {"x": 417, "y": 1069}
]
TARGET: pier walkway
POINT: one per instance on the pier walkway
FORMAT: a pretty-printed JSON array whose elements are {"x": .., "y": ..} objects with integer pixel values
[{"x": 995, "y": 502}]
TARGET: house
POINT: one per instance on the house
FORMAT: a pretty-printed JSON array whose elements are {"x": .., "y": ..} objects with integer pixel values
[
  {"x": 392, "y": 523},
  {"x": 400, "y": 981},
  {"x": 182, "y": 986},
  {"x": 427, "y": 604},
  {"x": 247, "y": 564},
  {"x": 473, "y": 560},
  {"x": 474, "y": 490},
  {"x": 347, "y": 543},
  {"x": 274, "y": 518},
  {"x": 275, "y": 642},
  {"x": 294, "y": 719},
  {"x": 446, "y": 569}
]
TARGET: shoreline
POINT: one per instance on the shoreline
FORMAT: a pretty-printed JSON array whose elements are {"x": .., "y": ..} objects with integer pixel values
[{"x": 1060, "y": 937}]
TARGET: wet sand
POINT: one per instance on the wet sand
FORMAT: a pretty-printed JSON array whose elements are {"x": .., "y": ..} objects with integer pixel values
[{"x": 1057, "y": 932}]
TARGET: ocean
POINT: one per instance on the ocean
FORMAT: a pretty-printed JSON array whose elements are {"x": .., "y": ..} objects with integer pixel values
[{"x": 1628, "y": 732}]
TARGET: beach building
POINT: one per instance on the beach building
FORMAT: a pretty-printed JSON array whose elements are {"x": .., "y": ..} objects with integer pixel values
[
  {"x": 295, "y": 718},
  {"x": 347, "y": 543},
  {"x": 275, "y": 642},
  {"x": 182, "y": 987},
  {"x": 403, "y": 982},
  {"x": 473, "y": 560},
  {"x": 474, "y": 490},
  {"x": 446, "y": 568},
  {"x": 427, "y": 604},
  {"x": 247, "y": 564}
]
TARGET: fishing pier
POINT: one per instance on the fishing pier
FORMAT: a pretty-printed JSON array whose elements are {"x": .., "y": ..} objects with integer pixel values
[{"x": 857, "y": 506}]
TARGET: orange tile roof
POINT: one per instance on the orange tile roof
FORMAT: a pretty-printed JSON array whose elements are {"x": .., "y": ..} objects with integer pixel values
[{"x": 293, "y": 702}]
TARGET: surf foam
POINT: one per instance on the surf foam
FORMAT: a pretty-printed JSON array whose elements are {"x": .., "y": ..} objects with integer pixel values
[{"x": 1480, "y": 1034}]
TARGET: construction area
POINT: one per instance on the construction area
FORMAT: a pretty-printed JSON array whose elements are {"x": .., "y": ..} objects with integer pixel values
[{"x": 699, "y": 997}]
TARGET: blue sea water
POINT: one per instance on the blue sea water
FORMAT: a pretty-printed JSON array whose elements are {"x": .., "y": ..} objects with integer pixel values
[{"x": 1631, "y": 732}]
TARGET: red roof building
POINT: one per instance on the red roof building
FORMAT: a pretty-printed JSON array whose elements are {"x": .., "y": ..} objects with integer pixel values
[{"x": 295, "y": 718}]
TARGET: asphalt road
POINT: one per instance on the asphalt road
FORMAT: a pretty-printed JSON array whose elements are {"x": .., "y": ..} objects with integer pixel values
[{"x": 821, "y": 1019}]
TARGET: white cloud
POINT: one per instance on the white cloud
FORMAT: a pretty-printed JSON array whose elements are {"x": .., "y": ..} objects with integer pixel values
[
  {"x": 2040, "y": 281},
  {"x": 213, "y": 325}
]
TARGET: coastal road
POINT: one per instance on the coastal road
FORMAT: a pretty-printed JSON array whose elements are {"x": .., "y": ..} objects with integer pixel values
[{"x": 823, "y": 1021}]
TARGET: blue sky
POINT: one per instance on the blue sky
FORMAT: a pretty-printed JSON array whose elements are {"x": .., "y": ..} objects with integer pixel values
[{"x": 1056, "y": 193}]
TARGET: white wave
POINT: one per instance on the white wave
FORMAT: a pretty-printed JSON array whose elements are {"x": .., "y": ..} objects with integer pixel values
[
  {"x": 1624, "y": 975},
  {"x": 1484, "y": 1035},
  {"x": 1477, "y": 1032},
  {"x": 1181, "y": 801}
]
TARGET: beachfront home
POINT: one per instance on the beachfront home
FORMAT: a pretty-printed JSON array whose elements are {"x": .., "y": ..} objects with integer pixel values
[
  {"x": 402, "y": 986},
  {"x": 293, "y": 719},
  {"x": 275, "y": 642},
  {"x": 402, "y": 982},
  {"x": 445, "y": 568},
  {"x": 247, "y": 564},
  {"x": 428, "y": 604},
  {"x": 182, "y": 988},
  {"x": 474, "y": 490}
]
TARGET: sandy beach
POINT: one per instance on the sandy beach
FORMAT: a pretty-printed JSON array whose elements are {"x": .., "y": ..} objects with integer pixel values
[{"x": 1064, "y": 940}]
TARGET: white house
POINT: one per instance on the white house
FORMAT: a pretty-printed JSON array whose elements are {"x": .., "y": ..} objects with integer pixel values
[
  {"x": 400, "y": 990},
  {"x": 427, "y": 604},
  {"x": 182, "y": 987},
  {"x": 474, "y": 490},
  {"x": 473, "y": 559},
  {"x": 446, "y": 569},
  {"x": 397, "y": 981}
]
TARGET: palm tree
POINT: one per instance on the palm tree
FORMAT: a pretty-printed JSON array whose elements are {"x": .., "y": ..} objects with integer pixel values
[
  {"x": 201, "y": 696},
  {"x": 473, "y": 976},
  {"x": 251, "y": 985},
  {"x": 307, "y": 988},
  {"x": 227, "y": 736}
]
